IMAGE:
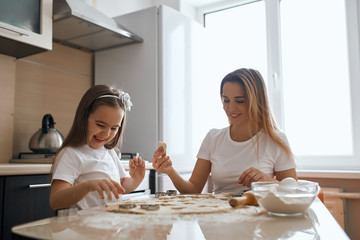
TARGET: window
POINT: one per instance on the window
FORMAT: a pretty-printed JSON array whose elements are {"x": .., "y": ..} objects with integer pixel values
[
  {"x": 230, "y": 49},
  {"x": 310, "y": 62},
  {"x": 316, "y": 77}
]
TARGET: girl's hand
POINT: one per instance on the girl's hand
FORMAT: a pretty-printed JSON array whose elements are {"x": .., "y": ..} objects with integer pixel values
[
  {"x": 137, "y": 168},
  {"x": 253, "y": 175},
  {"x": 160, "y": 161},
  {"x": 105, "y": 185}
]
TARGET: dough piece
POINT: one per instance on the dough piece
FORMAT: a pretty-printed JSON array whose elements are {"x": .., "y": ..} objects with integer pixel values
[
  {"x": 162, "y": 144},
  {"x": 185, "y": 204}
]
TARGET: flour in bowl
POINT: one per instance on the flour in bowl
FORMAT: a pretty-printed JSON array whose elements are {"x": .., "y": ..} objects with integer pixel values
[{"x": 289, "y": 197}]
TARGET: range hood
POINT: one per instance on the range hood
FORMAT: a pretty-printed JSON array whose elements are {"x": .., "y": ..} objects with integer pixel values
[{"x": 77, "y": 24}]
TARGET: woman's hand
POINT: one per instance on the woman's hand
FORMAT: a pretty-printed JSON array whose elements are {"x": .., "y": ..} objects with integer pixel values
[
  {"x": 137, "y": 168},
  {"x": 253, "y": 175},
  {"x": 160, "y": 161},
  {"x": 106, "y": 185}
]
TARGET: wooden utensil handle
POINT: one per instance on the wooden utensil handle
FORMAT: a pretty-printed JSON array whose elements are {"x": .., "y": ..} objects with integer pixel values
[{"x": 238, "y": 201}]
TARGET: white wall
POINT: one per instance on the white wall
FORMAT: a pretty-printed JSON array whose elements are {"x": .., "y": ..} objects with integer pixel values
[{"x": 115, "y": 8}]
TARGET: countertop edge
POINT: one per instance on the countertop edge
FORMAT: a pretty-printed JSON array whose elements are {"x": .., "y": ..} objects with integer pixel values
[{"x": 7, "y": 169}]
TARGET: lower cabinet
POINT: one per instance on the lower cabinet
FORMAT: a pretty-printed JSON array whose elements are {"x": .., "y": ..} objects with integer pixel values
[
  {"x": 1, "y": 205},
  {"x": 24, "y": 198}
]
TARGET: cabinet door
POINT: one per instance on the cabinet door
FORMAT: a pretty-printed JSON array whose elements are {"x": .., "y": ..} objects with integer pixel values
[
  {"x": 1, "y": 203},
  {"x": 25, "y": 27},
  {"x": 26, "y": 199}
]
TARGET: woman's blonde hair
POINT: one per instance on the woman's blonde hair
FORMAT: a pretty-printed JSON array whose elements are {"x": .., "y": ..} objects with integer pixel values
[{"x": 261, "y": 118}]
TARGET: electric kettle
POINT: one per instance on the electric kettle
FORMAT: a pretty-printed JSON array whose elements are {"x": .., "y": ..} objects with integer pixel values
[{"x": 47, "y": 139}]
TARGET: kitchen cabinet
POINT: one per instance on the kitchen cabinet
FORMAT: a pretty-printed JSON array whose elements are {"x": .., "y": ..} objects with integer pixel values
[
  {"x": 1, "y": 205},
  {"x": 24, "y": 198},
  {"x": 25, "y": 27}
]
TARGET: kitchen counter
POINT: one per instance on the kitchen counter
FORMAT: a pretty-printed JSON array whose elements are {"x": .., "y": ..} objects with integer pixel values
[
  {"x": 317, "y": 223},
  {"x": 7, "y": 169}
]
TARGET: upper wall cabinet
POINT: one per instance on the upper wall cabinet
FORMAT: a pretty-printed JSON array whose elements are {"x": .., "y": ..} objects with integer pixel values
[{"x": 25, "y": 27}]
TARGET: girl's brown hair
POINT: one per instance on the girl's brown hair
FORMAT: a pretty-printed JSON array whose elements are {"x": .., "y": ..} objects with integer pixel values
[
  {"x": 260, "y": 114},
  {"x": 94, "y": 97}
]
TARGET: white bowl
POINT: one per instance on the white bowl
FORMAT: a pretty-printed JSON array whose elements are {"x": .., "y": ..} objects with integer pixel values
[{"x": 288, "y": 198}]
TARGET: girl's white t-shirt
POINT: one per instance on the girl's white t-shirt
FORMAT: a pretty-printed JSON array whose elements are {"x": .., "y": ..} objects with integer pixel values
[
  {"x": 229, "y": 159},
  {"x": 76, "y": 165}
]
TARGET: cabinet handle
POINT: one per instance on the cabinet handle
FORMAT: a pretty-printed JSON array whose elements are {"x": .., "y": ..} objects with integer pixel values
[
  {"x": 44, "y": 185},
  {"x": 15, "y": 31}
]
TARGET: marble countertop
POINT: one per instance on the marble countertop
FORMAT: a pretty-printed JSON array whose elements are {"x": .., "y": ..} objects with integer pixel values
[{"x": 317, "y": 223}]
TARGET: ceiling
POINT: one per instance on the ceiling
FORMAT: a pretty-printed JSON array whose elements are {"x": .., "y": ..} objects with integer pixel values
[{"x": 201, "y": 3}]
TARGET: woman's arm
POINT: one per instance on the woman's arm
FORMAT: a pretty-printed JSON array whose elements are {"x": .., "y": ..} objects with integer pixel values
[
  {"x": 251, "y": 175},
  {"x": 163, "y": 164},
  {"x": 65, "y": 195},
  {"x": 197, "y": 180},
  {"x": 286, "y": 173},
  {"x": 255, "y": 175},
  {"x": 200, "y": 175}
]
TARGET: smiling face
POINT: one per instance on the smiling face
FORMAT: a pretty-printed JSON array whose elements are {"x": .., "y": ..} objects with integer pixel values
[
  {"x": 103, "y": 124},
  {"x": 235, "y": 104}
]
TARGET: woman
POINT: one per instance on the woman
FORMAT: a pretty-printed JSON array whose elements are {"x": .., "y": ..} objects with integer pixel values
[{"x": 251, "y": 149}]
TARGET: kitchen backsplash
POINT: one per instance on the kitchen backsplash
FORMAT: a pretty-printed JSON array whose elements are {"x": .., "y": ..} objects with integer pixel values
[
  {"x": 7, "y": 92},
  {"x": 51, "y": 82}
]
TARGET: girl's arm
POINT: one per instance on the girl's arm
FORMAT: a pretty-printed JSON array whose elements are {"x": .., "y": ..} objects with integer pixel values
[
  {"x": 137, "y": 173},
  {"x": 130, "y": 184},
  {"x": 65, "y": 195},
  {"x": 59, "y": 192}
]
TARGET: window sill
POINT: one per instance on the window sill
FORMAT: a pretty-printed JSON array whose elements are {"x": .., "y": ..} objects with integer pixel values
[{"x": 338, "y": 174}]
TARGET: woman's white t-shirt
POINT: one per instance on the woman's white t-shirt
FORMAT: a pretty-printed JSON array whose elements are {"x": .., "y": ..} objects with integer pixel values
[
  {"x": 230, "y": 158},
  {"x": 76, "y": 165}
]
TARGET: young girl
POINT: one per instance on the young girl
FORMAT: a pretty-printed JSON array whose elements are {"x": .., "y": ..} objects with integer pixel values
[
  {"x": 251, "y": 149},
  {"x": 87, "y": 171}
]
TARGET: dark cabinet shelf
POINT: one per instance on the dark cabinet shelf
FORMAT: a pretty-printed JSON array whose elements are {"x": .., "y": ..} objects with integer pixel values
[{"x": 24, "y": 199}]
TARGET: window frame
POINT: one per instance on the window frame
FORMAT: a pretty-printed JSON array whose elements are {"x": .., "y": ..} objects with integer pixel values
[{"x": 275, "y": 81}]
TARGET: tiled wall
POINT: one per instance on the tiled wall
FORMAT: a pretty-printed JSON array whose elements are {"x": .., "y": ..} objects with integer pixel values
[
  {"x": 50, "y": 82},
  {"x": 7, "y": 93}
]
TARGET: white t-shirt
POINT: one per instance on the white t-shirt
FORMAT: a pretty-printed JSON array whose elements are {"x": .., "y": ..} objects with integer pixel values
[
  {"x": 76, "y": 165},
  {"x": 230, "y": 158}
]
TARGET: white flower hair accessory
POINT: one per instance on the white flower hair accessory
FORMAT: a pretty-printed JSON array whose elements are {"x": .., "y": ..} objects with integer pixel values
[{"x": 123, "y": 97}]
